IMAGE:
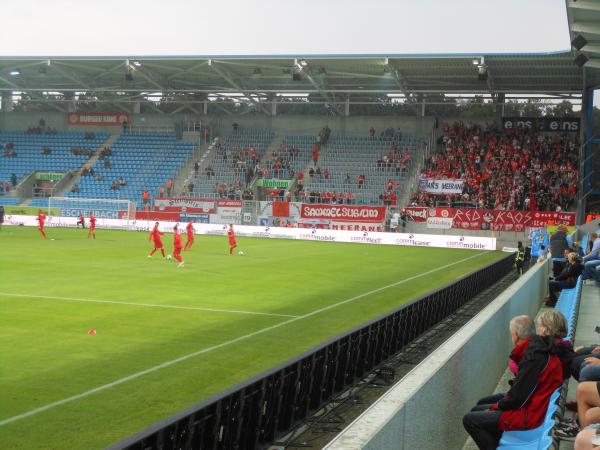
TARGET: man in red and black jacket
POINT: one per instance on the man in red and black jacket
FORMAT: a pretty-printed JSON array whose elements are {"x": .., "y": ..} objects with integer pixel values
[{"x": 524, "y": 406}]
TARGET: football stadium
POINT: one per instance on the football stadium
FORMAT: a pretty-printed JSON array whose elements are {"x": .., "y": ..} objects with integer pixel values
[{"x": 355, "y": 247}]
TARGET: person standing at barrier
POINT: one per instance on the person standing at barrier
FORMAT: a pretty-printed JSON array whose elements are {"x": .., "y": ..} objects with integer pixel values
[
  {"x": 520, "y": 258},
  {"x": 1, "y": 216},
  {"x": 523, "y": 407},
  {"x": 558, "y": 244}
]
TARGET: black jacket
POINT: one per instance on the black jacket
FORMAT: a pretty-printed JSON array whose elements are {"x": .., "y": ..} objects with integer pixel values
[
  {"x": 558, "y": 244},
  {"x": 571, "y": 273}
]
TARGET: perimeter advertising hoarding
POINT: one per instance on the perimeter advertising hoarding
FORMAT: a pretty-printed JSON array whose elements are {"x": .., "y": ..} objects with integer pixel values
[
  {"x": 545, "y": 124},
  {"x": 97, "y": 119},
  {"x": 322, "y": 235}
]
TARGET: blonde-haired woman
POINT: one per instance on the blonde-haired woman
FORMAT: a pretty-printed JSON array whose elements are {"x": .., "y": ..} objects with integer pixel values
[{"x": 566, "y": 280}]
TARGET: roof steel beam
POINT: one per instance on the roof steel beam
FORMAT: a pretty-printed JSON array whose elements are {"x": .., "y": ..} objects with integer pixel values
[
  {"x": 223, "y": 73},
  {"x": 584, "y": 5}
]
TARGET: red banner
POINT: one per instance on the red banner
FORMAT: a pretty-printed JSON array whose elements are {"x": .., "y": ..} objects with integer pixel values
[
  {"x": 343, "y": 213},
  {"x": 491, "y": 219},
  {"x": 157, "y": 216},
  {"x": 102, "y": 119},
  {"x": 281, "y": 209},
  {"x": 195, "y": 205}
]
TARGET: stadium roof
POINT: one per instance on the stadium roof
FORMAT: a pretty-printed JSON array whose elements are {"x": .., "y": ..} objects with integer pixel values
[
  {"x": 550, "y": 73},
  {"x": 584, "y": 21}
]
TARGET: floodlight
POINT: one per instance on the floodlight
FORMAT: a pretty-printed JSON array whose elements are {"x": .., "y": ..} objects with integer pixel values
[
  {"x": 579, "y": 42},
  {"x": 580, "y": 60}
]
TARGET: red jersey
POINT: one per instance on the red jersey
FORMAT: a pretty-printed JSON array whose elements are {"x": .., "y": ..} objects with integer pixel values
[
  {"x": 92, "y": 221},
  {"x": 177, "y": 243},
  {"x": 190, "y": 229},
  {"x": 231, "y": 235},
  {"x": 41, "y": 218},
  {"x": 81, "y": 218},
  {"x": 155, "y": 236}
]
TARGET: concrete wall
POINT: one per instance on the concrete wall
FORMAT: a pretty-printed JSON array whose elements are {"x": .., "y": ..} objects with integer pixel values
[
  {"x": 299, "y": 124},
  {"x": 21, "y": 121},
  {"x": 424, "y": 410}
]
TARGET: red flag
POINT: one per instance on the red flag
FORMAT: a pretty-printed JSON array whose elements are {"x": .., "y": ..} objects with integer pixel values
[
  {"x": 532, "y": 206},
  {"x": 281, "y": 209}
]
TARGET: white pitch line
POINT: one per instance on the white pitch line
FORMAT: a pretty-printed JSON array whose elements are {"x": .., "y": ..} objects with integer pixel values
[
  {"x": 147, "y": 305},
  {"x": 221, "y": 345}
]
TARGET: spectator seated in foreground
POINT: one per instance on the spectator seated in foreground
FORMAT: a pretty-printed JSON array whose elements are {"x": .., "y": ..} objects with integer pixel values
[
  {"x": 591, "y": 261},
  {"x": 541, "y": 364},
  {"x": 585, "y": 368}
]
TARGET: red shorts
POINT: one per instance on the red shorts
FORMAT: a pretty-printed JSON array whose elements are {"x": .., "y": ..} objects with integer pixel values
[
  {"x": 190, "y": 237},
  {"x": 92, "y": 227},
  {"x": 158, "y": 244},
  {"x": 232, "y": 242},
  {"x": 177, "y": 251}
]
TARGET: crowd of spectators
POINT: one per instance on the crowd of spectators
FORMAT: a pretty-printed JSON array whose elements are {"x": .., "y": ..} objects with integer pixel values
[
  {"x": 281, "y": 163},
  {"x": 392, "y": 161},
  {"x": 6, "y": 186},
  {"x": 395, "y": 160},
  {"x": 511, "y": 169},
  {"x": 41, "y": 129},
  {"x": 229, "y": 191}
]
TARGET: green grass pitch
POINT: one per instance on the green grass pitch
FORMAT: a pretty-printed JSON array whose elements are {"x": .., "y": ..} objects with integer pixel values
[{"x": 63, "y": 388}]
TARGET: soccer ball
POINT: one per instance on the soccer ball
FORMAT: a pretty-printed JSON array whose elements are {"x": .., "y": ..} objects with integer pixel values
[
  {"x": 240, "y": 253},
  {"x": 169, "y": 256}
]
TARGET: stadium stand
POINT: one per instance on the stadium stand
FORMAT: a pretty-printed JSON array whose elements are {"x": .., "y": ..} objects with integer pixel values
[
  {"x": 291, "y": 158},
  {"x": 232, "y": 165},
  {"x": 10, "y": 201},
  {"x": 137, "y": 162},
  {"x": 383, "y": 162},
  {"x": 501, "y": 167},
  {"x": 65, "y": 151}
]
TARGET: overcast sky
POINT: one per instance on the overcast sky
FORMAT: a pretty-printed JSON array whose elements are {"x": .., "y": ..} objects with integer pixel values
[{"x": 279, "y": 27}]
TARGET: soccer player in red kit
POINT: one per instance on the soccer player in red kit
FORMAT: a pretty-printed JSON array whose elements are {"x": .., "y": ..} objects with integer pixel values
[
  {"x": 81, "y": 221},
  {"x": 232, "y": 241},
  {"x": 177, "y": 246},
  {"x": 41, "y": 218},
  {"x": 158, "y": 245},
  {"x": 189, "y": 229},
  {"x": 92, "y": 231}
]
